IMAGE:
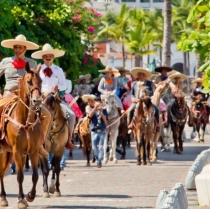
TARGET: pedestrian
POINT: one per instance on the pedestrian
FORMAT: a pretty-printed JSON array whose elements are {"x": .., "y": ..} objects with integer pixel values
[{"x": 98, "y": 116}]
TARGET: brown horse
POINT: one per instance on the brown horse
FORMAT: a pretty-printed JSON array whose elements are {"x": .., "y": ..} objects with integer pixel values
[
  {"x": 177, "y": 116},
  {"x": 55, "y": 144},
  {"x": 85, "y": 137},
  {"x": 144, "y": 127},
  {"x": 23, "y": 135}
]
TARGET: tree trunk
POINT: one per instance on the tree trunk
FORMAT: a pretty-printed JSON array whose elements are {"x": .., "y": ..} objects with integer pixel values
[
  {"x": 141, "y": 61},
  {"x": 185, "y": 63},
  {"x": 198, "y": 64},
  {"x": 148, "y": 56},
  {"x": 123, "y": 54},
  {"x": 137, "y": 60},
  {"x": 188, "y": 62},
  {"x": 161, "y": 55},
  {"x": 167, "y": 34}
]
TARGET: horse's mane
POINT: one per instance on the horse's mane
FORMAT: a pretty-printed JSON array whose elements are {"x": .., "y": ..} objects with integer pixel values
[{"x": 148, "y": 102}]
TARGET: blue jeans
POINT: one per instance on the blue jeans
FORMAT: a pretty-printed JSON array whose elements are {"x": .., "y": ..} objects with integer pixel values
[
  {"x": 63, "y": 159},
  {"x": 97, "y": 144}
]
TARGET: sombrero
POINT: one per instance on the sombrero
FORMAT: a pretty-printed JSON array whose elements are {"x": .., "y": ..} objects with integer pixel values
[
  {"x": 171, "y": 72},
  {"x": 85, "y": 97},
  {"x": 108, "y": 69},
  {"x": 47, "y": 49},
  {"x": 136, "y": 70},
  {"x": 19, "y": 40},
  {"x": 82, "y": 77},
  {"x": 178, "y": 74},
  {"x": 197, "y": 80},
  {"x": 99, "y": 78},
  {"x": 159, "y": 69}
]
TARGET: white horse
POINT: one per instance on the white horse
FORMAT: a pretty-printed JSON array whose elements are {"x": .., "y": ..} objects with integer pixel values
[{"x": 112, "y": 127}]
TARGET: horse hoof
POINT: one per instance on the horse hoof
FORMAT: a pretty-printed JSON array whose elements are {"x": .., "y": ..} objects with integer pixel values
[
  {"x": 45, "y": 195},
  {"x": 93, "y": 160},
  {"x": 57, "y": 194},
  {"x": 105, "y": 161},
  {"x": 149, "y": 163},
  {"x": 29, "y": 197},
  {"x": 115, "y": 161},
  {"x": 88, "y": 164},
  {"x": 154, "y": 159},
  {"x": 52, "y": 189},
  {"x": 144, "y": 163},
  {"x": 3, "y": 203},
  {"x": 111, "y": 159},
  {"x": 138, "y": 163},
  {"x": 196, "y": 139},
  {"x": 22, "y": 204},
  {"x": 122, "y": 158}
]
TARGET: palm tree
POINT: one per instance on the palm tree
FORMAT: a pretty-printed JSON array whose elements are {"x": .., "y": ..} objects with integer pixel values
[{"x": 166, "y": 55}]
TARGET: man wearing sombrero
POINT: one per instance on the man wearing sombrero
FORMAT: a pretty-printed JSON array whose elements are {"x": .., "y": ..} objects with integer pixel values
[
  {"x": 143, "y": 75},
  {"x": 122, "y": 82},
  {"x": 82, "y": 88},
  {"x": 163, "y": 70},
  {"x": 53, "y": 79},
  {"x": 108, "y": 85},
  {"x": 96, "y": 83},
  {"x": 14, "y": 68}
]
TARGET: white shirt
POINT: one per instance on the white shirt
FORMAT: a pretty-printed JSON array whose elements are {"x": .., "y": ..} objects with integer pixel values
[
  {"x": 68, "y": 86},
  {"x": 57, "y": 78}
]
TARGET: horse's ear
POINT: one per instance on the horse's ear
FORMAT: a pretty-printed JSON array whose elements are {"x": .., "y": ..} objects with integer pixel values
[
  {"x": 38, "y": 68},
  {"x": 27, "y": 68}
]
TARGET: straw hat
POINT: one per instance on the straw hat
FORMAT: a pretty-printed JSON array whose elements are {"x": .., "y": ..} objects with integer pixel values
[
  {"x": 136, "y": 70},
  {"x": 197, "y": 80},
  {"x": 99, "y": 78},
  {"x": 159, "y": 69},
  {"x": 85, "y": 97},
  {"x": 108, "y": 69},
  {"x": 82, "y": 77},
  {"x": 178, "y": 74},
  {"x": 172, "y": 72},
  {"x": 47, "y": 49},
  {"x": 19, "y": 40}
]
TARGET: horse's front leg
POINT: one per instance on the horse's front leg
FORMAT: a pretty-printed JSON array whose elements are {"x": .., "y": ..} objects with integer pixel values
[
  {"x": 174, "y": 131},
  {"x": 20, "y": 162},
  {"x": 113, "y": 143},
  {"x": 196, "y": 128},
  {"x": 154, "y": 143},
  {"x": 202, "y": 131},
  {"x": 181, "y": 128},
  {"x": 138, "y": 145},
  {"x": 45, "y": 174},
  {"x": 105, "y": 160}
]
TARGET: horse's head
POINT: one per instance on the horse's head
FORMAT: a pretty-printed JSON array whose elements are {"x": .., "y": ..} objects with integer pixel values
[
  {"x": 30, "y": 85},
  {"x": 111, "y": 105},
  {"x": 52, "y": 102},
  {"x": 148, "y": 110},
  {"x": 198, "y": 108},
  {"x": 179, "y": 101}
]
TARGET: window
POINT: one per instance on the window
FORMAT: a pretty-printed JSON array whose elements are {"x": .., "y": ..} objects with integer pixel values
[
  {"x": 145, "y": 1},
  {"x": 158, "y": 0},
  {"x": 128, "y": 0}
]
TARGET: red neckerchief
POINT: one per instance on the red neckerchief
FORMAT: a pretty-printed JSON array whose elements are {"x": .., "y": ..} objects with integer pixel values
[
  {"x": 19, "y": 63},
  {"x": 47, "y": 72}
]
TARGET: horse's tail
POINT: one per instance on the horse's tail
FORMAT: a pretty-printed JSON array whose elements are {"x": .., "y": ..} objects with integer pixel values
[{"x": 6, "y": 160}]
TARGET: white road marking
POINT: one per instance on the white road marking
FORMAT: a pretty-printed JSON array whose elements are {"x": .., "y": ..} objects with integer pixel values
[{"x": 98, "y": 200}]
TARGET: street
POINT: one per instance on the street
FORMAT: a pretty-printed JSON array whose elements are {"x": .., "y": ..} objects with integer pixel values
[{"x": 121, "y": 185}]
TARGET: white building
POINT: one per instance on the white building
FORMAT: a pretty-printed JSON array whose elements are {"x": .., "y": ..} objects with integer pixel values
[{"x": 111, "y": 51}]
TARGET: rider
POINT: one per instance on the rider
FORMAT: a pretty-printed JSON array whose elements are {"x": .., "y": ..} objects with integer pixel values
[
  {"x": 108, "y": 85},
  {"x": 95, "y": 88},
  {"x": 14, "y": 69},
  {"x": 122, "y": 82},
  {"x": 53, "y": 79},
  {"x": 163, "y": 70},
  {"x": 197, "y": 93},
  {"x": 82, "y": 88},
  {"x": 143, "y": 75}
]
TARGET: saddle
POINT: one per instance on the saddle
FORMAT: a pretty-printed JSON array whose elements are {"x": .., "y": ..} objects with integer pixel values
[{"x": 7, "y": 110}]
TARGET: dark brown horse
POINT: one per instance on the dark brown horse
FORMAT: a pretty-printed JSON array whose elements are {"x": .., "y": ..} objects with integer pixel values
[
  {"x": 200, "y": 119},
  {"x": 23, "y": 135},
  {"x": 55, "y": 144},
  {"x": 177, "y": 117}
]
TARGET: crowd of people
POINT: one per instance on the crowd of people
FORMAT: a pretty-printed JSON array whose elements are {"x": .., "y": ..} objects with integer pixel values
[{"x": 124, "y": 84}]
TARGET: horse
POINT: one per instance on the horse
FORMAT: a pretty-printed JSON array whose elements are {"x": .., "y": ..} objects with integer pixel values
[
  {"x": 113, "y": 126},
  {"x": 57, "y": 139},
  {"x": 85, "y": 137},
  {"x": 200, "y": 119},
  {"x": 177, "y": 116},
  {"x": 144, "y": 130},
  {"x": 22, "y": 134}
]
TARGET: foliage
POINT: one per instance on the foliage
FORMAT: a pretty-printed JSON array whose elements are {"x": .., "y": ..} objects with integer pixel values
[{"x": 65, "y": 24}]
